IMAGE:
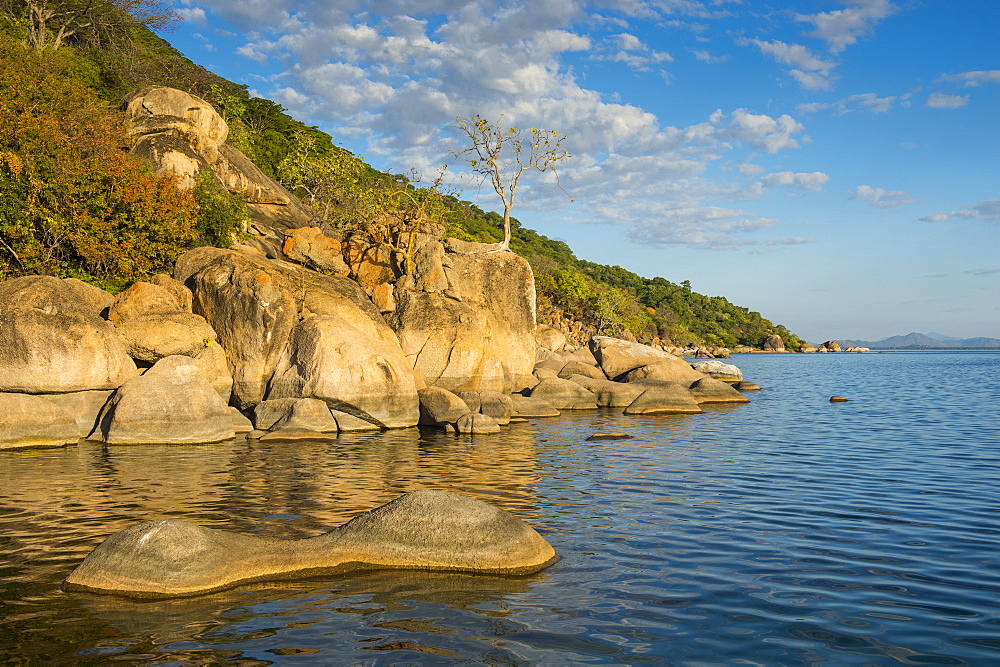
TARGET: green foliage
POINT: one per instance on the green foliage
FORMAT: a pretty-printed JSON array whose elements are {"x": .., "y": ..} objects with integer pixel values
[
  {"x": 71, "y": 201},
  {"x": 222, "y": 217}
]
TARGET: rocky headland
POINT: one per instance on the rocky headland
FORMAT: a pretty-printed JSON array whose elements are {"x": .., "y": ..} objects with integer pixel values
[{"x": 295, "y": 330}]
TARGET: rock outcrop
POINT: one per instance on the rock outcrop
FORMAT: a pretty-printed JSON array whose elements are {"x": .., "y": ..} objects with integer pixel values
[
  {"x": 425, "y": 530},
  {"x": 182, "y": 135},
  {"x": 617, "y": 357},
  {"x": 477, "y": 333},
  {"x": 773, "y": 343}
]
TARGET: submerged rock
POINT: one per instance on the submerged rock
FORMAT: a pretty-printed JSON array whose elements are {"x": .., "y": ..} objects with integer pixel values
[{"x": 425, "y": 530}]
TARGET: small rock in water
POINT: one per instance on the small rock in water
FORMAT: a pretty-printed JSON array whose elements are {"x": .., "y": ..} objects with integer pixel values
[
  {"x": 838, "y": 399},
  {"x": 610, "y": 436},
  {"x": 747, "y": 386}
]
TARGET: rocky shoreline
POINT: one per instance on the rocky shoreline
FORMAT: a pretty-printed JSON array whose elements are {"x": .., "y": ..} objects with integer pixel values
[
  {"x": 235, "y": 343},
  {"x": 296, "y": 332}
]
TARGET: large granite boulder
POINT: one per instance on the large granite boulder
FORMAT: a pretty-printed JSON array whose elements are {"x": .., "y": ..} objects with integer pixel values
[
  {"x": 307, "y": 413},
  {"x": 309, "y": 246},
  {"x": 155, "y": 321},
  {"x": 247, "y": 305},
  {"x": 449, "y": 343},
  {"x": 609, "y": 394},
  {"x": 670, "y": 370},
  {"x": 665, "y": 398},
  {"x": 476, "y": 335},
  {"x": 714, "y": 368},
  {"x": 526, "y": 407},
  {"x": 329, "y": 358},
  {"x": 171, "y": 403},
  {"x": 773, "y": 343},
  {"x": 564, "y": 394},
  {"x": 32, "y": 421},
  {"x": 51, "y": 351},
  {"x": 617, "y": 357},
  {"x": 440, "y": 406},
  {"x": 475, "y": 423},
  {"x": 50, "y": 294},
  {"x": 181, "y": 135},
  {"x": 710, "y": 390},
  {"x": 493, "y": 404},
  {"x": 83, "y": 406},
  {"x": 424, "y": 530}
]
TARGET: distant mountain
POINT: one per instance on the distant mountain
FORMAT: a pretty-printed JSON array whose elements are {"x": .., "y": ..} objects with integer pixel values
[
  {"x": 942, "y": 337},
  {"x": 922, "y": 341}
]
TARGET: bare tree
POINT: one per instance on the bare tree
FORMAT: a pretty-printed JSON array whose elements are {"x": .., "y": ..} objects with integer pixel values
[
  {"x": 51, "y": 24},
  {"x": 502, "y": 155}
]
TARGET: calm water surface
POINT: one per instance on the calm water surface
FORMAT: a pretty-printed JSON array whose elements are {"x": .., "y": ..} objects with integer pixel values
[{"x": 787, "y": 531}]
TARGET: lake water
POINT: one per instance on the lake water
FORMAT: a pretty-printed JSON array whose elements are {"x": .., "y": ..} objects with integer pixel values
[{"x": 787, "y": 531}]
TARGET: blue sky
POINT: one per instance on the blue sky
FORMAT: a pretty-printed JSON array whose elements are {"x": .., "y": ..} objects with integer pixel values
[{"x": 833, "y": 164}]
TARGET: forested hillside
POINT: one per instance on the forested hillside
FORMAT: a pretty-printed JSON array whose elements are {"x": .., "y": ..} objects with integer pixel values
[{"x": 74, "y": 203}]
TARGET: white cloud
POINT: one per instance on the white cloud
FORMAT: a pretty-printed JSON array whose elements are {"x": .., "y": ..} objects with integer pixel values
[
  {"x": 842, "y": 27},
  {"x": 946, "y": 101},
  {"x": 881, "y": 198},
  {"x": 706, "y": 57},
  {"x": 193, "y": 15},
  {"x": 974, "y": 78},
  {"x": 397, "y": 84},
  {"x": 865, "y": 102},
  {"x": 761, "y": 131},
  {"x": 630, "y": 50},
  {"x": 804, "y": 181},
  {"x": 809, "y": 70},
  {"x": 988, "y": 210}
]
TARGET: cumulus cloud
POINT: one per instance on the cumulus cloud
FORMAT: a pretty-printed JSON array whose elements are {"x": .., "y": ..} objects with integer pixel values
[
  {"x": 842, "y": 27},
  {"x": 761, "y": 131},
  {"x": 193, "y": 15},
  {"x": 396, "y": 78},
  {"x": 946, "y": 101},
  {"x": 988, "y": 211},
  {"x": 707, "y": 57},
  {"x": 880, "y": 198}
]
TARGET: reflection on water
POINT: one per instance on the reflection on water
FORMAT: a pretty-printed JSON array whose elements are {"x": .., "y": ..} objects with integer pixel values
[{"x": 787, "y": 531}]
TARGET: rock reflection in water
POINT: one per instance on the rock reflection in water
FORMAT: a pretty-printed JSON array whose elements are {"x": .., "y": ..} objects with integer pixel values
[{"x": 376, "y": 599}]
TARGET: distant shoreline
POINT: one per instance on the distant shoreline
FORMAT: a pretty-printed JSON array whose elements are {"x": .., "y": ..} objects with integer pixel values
[{"x": 934, "y": 348}]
